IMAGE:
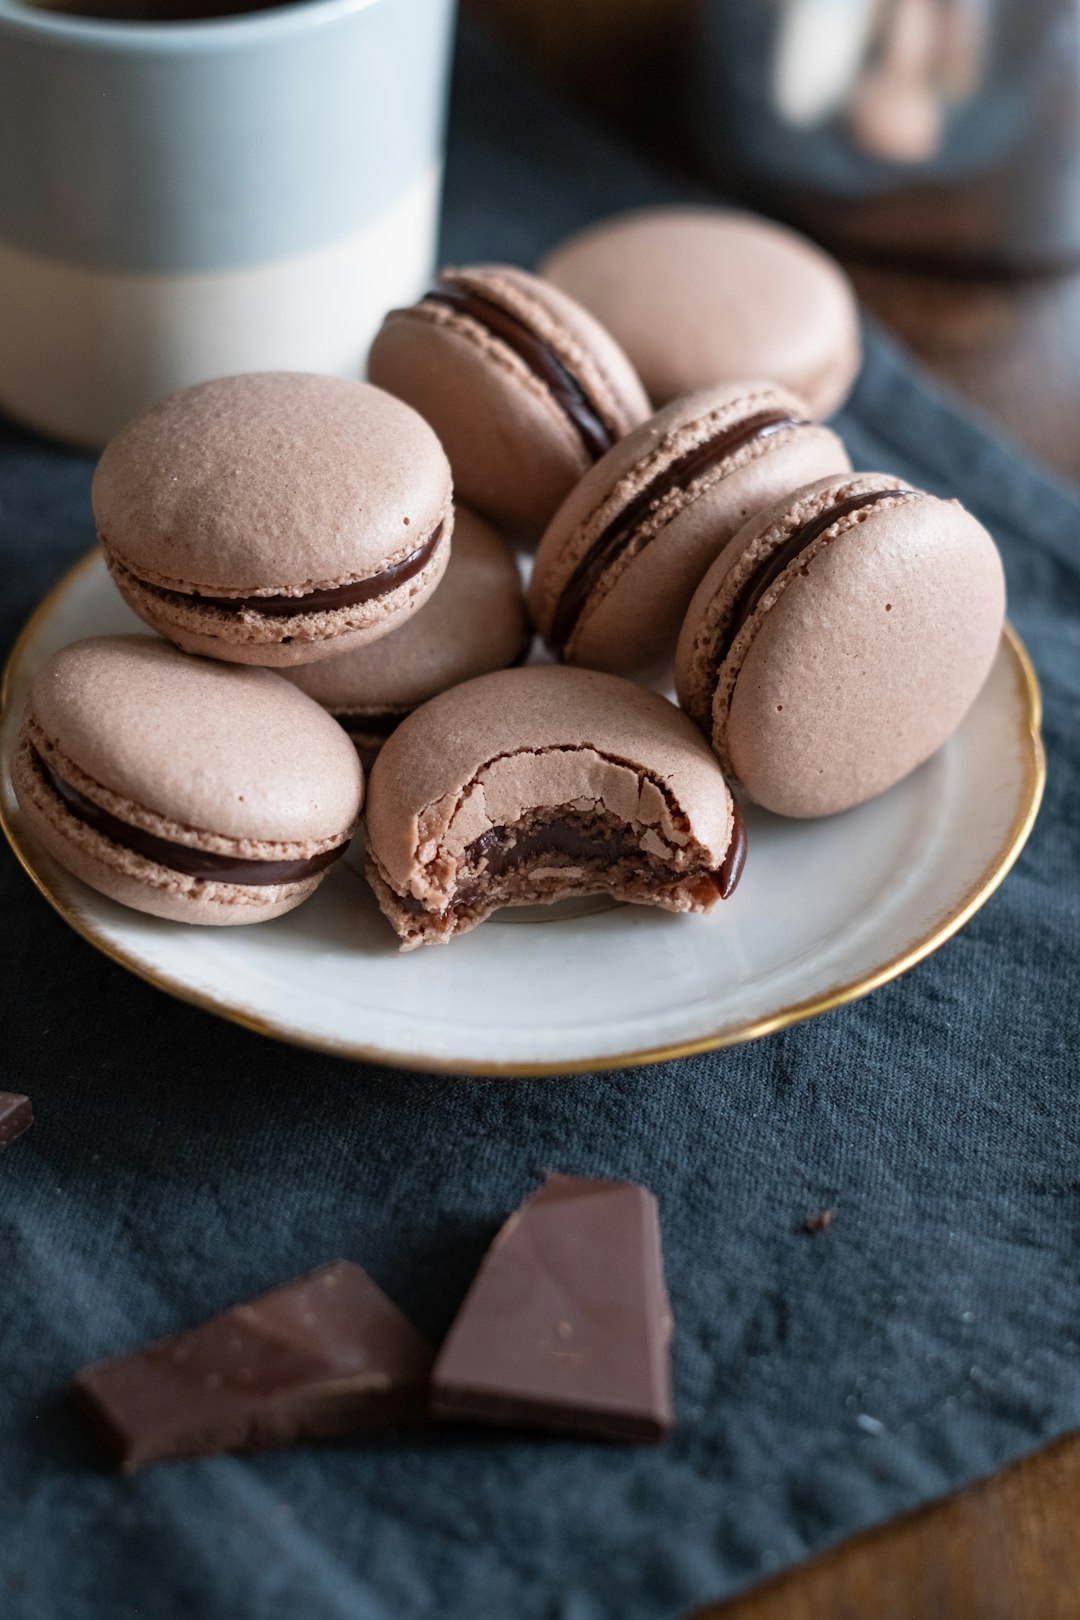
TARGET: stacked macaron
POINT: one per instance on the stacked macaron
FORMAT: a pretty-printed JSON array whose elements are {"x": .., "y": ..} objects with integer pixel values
[
  {"x": 828, "y": 629},
  {"x": 275, "y": 518},
  {"x": 475, "y": 622}
]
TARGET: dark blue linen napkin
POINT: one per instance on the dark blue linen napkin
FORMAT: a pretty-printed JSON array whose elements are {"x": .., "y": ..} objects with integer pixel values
[{"x": 179, "y": 1164}]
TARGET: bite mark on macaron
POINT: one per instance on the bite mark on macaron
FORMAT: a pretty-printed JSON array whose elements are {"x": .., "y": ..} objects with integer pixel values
[{"x": 577, "y": 847}]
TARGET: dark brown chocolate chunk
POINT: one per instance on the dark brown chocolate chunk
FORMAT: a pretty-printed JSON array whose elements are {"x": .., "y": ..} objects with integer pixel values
[
  {"x": 16, "y": 1116},
  {"x": 566, "y": 1325},
  {"x": 323, "y": 1355},
  {"x": 198, "y": 863},
  {"x": 819, "y": 1222}
]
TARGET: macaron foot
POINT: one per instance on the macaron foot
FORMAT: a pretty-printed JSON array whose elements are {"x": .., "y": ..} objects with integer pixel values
[
  {"x": 839, "y": 641},
  {"x": 192, "y": 790},
  {"x": 523, "y": 387},
  {"x": 276, "y": 518},
  {"x": 136, "y": 880}
]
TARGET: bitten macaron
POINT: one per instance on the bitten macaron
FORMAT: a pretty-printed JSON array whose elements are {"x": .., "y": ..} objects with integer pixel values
[
  {"x": 192, "y": 790},
  {"x": 526, "y": 786},
  {"x": 524, "y": 388},
  {"x": 622, "y": 557},
  {"x": 706, "y": 295},
  {"x": 474, "y": 623},
  {"x": 275, "y": 518},
  {"x": 840, "y": 639}
]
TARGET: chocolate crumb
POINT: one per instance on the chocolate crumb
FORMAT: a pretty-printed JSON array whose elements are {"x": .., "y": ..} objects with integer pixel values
[
  {"x": 16, "y": 1116},
  {"x": 819, "y": 1222}
]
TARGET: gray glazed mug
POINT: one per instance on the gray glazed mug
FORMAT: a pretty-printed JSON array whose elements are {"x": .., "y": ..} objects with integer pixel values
[{"x": 184, "y": 200}]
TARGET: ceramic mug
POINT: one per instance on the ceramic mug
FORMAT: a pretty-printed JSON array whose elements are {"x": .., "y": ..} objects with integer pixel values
[
  {"x": 181, "y": 200},
  {"x": 927, "y": 131}
]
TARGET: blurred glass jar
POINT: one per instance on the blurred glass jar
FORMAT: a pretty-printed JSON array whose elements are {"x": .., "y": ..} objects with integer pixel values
[{"x": 922, "y": 130}]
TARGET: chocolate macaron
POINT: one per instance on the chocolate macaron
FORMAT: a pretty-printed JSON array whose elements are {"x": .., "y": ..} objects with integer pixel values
[
  {"x": 524, "y": 388},
  {"x": 625, "y": 552},
  {"x": 275, "y": 518},
  {"x": 474, "y": 623},
  {"x": 190, "y": 789},
  {"x": 840, "y": 640},
  {"x": 705, "y": 295},
  {"x": 527, "y": 786}
]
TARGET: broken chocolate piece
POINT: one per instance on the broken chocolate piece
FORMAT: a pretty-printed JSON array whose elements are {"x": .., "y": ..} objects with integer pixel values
[
  {"x": 819, "y": 1222},
  {"x": 323, "y": 1355},
  {"x": 16, "y": 1116},
  {"x": 566, "y": 1325}
]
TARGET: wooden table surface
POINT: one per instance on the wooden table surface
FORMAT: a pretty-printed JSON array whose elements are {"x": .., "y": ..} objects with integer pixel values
[{"x": 1007, "y": 1548}]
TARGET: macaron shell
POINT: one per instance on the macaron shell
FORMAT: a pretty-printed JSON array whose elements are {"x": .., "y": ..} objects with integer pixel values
[
  {"x": 584, "y": 346},
  {"x": 631, "y": 623},
  {"x": 238, "y": 754},
  {"x": 696, "y": 675},
  {"x": 270, "y": 481},
  {"x": 140, "y": 884},
  {"x": 475, "y": 622},
  {"x": 552, "y": 734},
  {"x": 636, "y": 624},
  {"x": 513, "y": 449},
  {"x": 867, "y": 661},
  {"x": 278, "y": 642},
  {"x": 700, "y": 296}
]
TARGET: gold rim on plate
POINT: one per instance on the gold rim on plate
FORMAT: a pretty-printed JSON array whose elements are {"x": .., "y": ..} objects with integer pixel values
[{"x": 1034, "y": 765}]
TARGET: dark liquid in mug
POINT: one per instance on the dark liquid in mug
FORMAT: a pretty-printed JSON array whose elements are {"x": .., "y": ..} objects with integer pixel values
[{"x": 153, "y": 11}]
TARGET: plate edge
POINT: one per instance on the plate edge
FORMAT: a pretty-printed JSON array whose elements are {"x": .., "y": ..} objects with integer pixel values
[{"x": 1034, "y": 766}]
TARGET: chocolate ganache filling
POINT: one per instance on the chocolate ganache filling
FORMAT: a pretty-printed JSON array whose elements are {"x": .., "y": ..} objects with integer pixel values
[
  {"x": 198, "y": 863},
  {"x": 612, "y": 541},
  {"x": 321, "y": 601},
  {"x": 503, "y": 849},
  {"x": 771, "y": 567},
  {"x": 539, "y": 356}
]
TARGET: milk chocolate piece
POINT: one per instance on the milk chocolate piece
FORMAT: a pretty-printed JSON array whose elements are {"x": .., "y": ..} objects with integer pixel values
[
  {"x": 566, "y": 1325},
  {"x": 16, "y": 1116},
  {"x": 323, "y": 1355}
]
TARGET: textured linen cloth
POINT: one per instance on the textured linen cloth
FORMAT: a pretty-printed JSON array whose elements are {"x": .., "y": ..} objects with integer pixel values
[{"x": 179, "y": 1164}]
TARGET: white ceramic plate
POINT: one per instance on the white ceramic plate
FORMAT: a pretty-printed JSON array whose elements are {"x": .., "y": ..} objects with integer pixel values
[{"x": 826, "y": 911}]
